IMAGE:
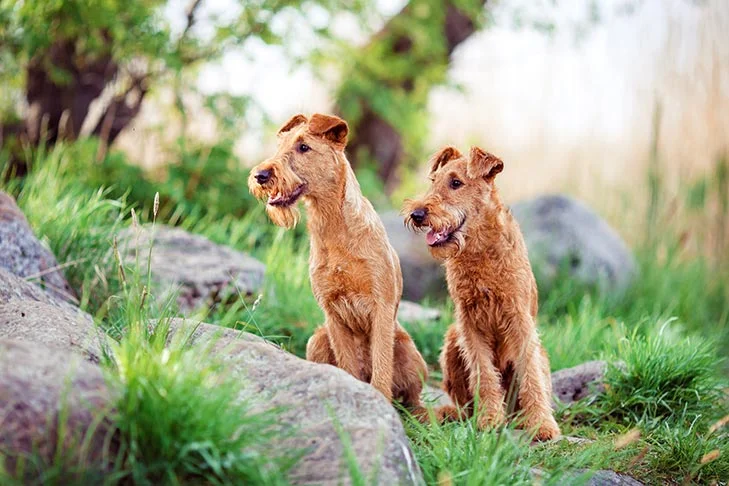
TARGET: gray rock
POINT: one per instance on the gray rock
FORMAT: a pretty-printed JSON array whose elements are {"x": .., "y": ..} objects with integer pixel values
[
  {"x": 412, "y": 312},
  {"x": 53, "y": 326},
  {"x": 588, "y": 478},
  {"x": 422, "y": 275},
  {"x": 435, "y": 396},
  {"x": 194, "y": 268},
  {"x": 14, "y": 287},
  {"x": 22, "y": 254},
  {"x": 312, "y": 396},
  {"x": 578, "y": 382},
  {"x": 563, "y": 234},
  {"x": 45, "y": 392},
  {"x": 612, "y": 478}
]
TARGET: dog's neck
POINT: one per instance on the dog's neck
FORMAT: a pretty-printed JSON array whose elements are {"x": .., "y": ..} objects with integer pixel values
[
  {"x": 490, "y": 237},
  {"x": 339, "y": 212}
]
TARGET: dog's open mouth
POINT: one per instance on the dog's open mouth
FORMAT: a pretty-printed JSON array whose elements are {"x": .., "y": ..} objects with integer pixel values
[
  {"x": 437, "y": 238},
  {"x": 284, "y": 200}
]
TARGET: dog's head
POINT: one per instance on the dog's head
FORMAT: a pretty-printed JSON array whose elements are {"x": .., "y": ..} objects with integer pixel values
[
  {"x": 307, "y": 164},
  {"x": 461, "y": 195}
]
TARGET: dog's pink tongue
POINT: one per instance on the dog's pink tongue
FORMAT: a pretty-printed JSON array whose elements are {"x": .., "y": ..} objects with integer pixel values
[{"x": 434, "y": 237}]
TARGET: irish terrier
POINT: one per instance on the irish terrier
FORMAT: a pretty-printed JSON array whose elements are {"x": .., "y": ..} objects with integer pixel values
[
  {"x": 355, "y": 273},
  {"x": 493, "y": 348}
]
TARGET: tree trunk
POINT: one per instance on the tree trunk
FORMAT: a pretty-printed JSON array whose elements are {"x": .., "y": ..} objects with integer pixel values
[
  {"x": 372, "y": 133},
  {"x": 60, "y": 88}
]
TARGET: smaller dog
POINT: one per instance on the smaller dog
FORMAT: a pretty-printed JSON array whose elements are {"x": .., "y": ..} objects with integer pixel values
[
  {"x": 493, "y": 348},
  {"x": 355, "y": 273}
]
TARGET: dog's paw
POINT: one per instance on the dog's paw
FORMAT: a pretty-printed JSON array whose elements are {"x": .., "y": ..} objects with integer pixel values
[
  {"x": 449, "y": 413},
  {"x": 491, "y": 419},
  {"x": 546, "y": 430}
]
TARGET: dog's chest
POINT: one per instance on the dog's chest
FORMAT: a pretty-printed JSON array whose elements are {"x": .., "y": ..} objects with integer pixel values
[{"x": 343, "y": 287}]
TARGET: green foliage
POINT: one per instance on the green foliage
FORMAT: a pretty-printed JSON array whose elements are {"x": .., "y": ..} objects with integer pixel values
[
  {"x": 287, "y": 312},
  {"x": 97, "y": 27},
  {"x": 582, "y": 333},
  {"x": 457, "y": 453},
  {"x": 209, "y": 178},
  {"x": 663, "y": 378},
  {"x": 182, "y": 421},
  {"x": 687, "y": 453}
]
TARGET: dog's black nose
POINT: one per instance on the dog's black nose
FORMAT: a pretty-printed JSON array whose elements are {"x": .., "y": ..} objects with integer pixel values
[
  {"x": 418, "y": 216},
  {"x": 263, "y": 176}
]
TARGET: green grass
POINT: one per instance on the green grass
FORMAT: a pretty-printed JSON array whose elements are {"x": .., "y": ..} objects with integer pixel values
[
  {"x": 181, "y": 420},
  {"x": 177, "y": 407},
  {"x": 457, "y": 453},
  {"x": 664, "y": 379}
]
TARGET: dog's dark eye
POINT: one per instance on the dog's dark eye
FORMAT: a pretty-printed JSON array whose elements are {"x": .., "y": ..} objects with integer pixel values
[
  {"x": 303, "y": 148},
  {"x": 455, "y": 183}
]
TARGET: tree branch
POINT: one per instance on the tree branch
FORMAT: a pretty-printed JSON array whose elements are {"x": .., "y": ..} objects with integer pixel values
[{"x": 191, "y": 10}]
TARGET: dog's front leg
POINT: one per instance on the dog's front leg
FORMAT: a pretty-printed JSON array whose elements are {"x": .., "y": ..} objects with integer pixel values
[
  {"x": 534, "y": 383},
  {"x": 382, "y": 344},
  {"x": 484, "y": 378},
  {"x": 345, "y": 349}
]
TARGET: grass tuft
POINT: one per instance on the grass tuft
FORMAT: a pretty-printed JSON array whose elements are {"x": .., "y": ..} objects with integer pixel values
[
  {"x": 459, "y": 454},
  {"x": 664, "y": 379},
  {"x": 181, "y": 420}
]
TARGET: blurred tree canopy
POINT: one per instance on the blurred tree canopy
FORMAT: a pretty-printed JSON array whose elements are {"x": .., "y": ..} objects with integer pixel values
[
  {"x": 84, "y": 67},
  {"x": 386, "y": 84},
  {"x": 62, "y": 55}
]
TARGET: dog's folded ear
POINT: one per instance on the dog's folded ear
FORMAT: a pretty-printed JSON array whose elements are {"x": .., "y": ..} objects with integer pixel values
[
  {"x": 483, "y": 164},
  {"x": 442, "y": 157},
  {"x": 295, "y": 121},
  {"x": 332, "y": 128}
]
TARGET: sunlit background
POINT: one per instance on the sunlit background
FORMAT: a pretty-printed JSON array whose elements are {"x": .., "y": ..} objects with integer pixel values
[{"x": 574, "y": 107}]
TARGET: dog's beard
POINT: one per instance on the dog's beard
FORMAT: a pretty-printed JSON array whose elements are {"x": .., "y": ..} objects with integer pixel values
[
  {"x": 284, "y": 182},
  {"x": 286, "y": 217},
  {"x": 256, "y": 189}
]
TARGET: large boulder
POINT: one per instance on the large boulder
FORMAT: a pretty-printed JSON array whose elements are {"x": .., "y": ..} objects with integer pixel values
[
  {"x": 22, "y": 254},
  {"x": 200, "y": 272},
  {"x": 421, "y": 275},
  {"x": 312, "y": 399},
  {"x": 14, "y": 287},
  {"x": 52, "y": 405},
  {"x": 27, "y": 313},
  {"x": 56, "y": 327},
  {"x": 605, "y": 477},
  {"x": 565, "y": 237}
]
